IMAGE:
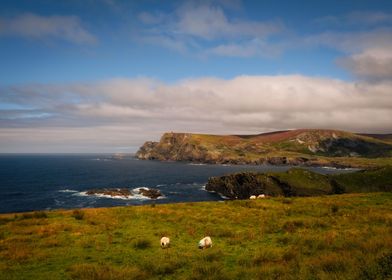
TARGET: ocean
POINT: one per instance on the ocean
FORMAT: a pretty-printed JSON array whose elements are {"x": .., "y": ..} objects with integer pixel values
[{"x": 44, "y": 182}]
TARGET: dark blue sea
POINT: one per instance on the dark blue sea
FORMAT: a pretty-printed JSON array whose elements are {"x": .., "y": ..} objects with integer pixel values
[{"x": 43, "y": 182}]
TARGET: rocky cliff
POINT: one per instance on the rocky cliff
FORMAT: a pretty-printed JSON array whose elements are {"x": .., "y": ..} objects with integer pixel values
[{"x": 295, "y": 147}]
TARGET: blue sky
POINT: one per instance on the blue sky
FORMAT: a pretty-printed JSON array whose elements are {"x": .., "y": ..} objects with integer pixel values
[
  {"x": 73, "y": 67},
  {"x": 120, "y": 48}
]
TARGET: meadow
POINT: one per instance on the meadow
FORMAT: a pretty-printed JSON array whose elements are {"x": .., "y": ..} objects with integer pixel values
[{"x": 346, "y": 236}]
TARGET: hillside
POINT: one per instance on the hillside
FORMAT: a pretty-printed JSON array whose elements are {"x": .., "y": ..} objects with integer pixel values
[
  {"x": 296, "y": 147},
  {"x": 300, "y": 182},
  {"x": 329, "y": 237},
  {"x": 383, "y": 137}
]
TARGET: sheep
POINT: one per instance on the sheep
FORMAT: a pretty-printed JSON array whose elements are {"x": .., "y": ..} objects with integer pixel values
[
  {"x": 261, "y": 196},
  {"x": 165, "y": 242},
  {"x": 252, "y": 197},
  {"x": 206, "y": 242}
]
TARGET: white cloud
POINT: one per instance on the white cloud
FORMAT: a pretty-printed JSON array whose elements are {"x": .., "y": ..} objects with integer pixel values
[
  {"x": 210, "y": 22},
  {"x": 67, "y": 28},
  {"x": 366, "y": 54},
  {"x": 126, "y": 112},
  {"x": 194, "y": 25},
  {"x": 372, "y": 64}
]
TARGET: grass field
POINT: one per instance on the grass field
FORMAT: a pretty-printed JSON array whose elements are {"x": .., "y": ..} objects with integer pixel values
[{"x": 330, "y": 237}]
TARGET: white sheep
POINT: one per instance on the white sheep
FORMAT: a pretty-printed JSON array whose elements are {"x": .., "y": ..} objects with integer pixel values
[
  {"x": 252, "y": 197},
  {"x": 165, "y": 242},
  {"x": 261, "y": 196},
  {"x": 206, "y": 242}
]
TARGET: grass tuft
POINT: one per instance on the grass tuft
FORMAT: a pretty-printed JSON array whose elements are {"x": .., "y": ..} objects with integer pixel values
[
  {"x": 334, "y": 209},
  {"x": 78, "y": 214},
  {"x": 104, "y": 272},
  {"x": 34, "y": 215},
  {"x": 141, "y": 244}
]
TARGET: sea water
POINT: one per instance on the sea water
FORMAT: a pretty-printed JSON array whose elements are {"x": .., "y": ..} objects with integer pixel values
[{"x": 42, "y": 182}]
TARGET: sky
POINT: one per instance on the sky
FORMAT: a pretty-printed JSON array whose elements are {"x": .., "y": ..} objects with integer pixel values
[{"x": 106, "y": 75}]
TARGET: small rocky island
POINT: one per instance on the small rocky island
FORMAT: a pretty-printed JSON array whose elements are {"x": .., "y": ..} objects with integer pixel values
[{"x": 125, "y": 192}]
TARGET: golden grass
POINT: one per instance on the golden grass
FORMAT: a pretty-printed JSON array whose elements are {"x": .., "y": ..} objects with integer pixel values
[{"x": 330, "y": 237}]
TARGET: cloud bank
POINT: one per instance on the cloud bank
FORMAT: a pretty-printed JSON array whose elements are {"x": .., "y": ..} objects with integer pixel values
[{"x": 120, "y": 114}]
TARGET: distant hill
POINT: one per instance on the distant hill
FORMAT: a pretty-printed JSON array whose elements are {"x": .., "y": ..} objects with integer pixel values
[
  {"x": 301, "y": 146},
  {"x": 384, "y": 137}
]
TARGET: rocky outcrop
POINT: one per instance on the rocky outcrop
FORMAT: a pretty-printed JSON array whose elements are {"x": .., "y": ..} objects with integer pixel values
[
  {"x": 112, "y": 192},
  {"x": 151, "y": 193},
  {"x": 147, "y": 151},
  {"x": 245, "y": 184},
  {"x": 173, "y": 146}
]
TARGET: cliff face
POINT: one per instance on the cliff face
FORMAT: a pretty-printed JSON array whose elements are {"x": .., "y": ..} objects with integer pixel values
[
  {"x": 300, "y": 182},
  {"x": 296, "y": 147},
  {"x": 174, "y": 146}
]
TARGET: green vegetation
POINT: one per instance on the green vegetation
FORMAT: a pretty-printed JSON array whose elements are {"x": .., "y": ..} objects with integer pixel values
[
  {"x": 379, "y": 179},
  {"x": 311, "y": 147},
  {"x": 300, "y": 182},
  {"x": 345, "y": 236}
]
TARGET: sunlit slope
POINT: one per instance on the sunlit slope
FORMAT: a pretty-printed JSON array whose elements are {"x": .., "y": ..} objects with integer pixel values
[{"x": 303, "y": 146}]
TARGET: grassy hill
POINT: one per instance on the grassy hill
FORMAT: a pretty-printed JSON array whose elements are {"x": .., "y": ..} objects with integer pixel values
[
  {"x": 300, "y": 182},
  {"x": 297, "y": 147},
  {"x": 329, "y": 237},
  {"x": 383, "y": 137}
]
